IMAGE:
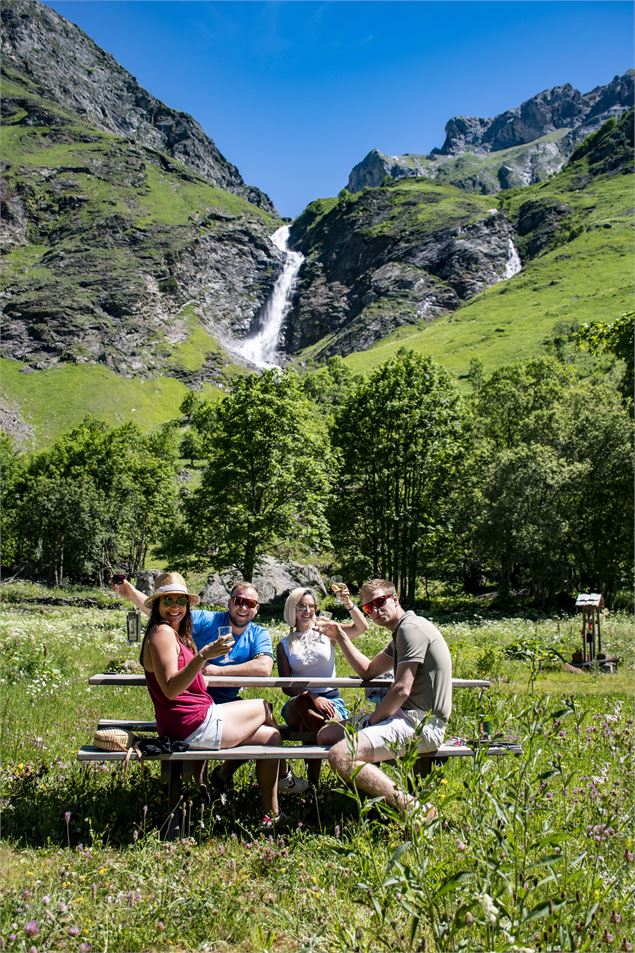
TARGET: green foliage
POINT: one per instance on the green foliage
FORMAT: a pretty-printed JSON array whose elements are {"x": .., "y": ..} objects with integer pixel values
[
  {"x": 266, "y": 477},
  {"x": 617, "y": 339},
  {"x": 401, "y": 437},
  {"x": 94, "y": 501},
  {"x": 556, "y": 473}
]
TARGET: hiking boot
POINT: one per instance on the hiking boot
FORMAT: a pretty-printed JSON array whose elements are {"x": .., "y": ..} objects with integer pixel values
[{"x": 289, "y": 784}]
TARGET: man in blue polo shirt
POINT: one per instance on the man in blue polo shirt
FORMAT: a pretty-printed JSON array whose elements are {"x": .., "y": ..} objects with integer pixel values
[{"x": 251, "y": 654}]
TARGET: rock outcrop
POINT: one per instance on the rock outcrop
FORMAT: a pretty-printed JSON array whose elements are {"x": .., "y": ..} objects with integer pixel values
[
  {"x": 392, "y": 256},
  {"x": 74, "y": 72},
  {"x": 98, "y": 267},
  {"x": 520, "y": 147},
  {"x": 273, "y": 579}
]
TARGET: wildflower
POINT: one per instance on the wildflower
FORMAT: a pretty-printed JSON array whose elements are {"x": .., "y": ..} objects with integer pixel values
[
  {"x": 489, "y": 907},
  {"x": 31, "y": 928},
  {"x": 469, "y": 919},
  {"x": 607, "y": 937},
  {"x": 160, "y": 925},
  {"x": 67, "y": 817},
  {"x": 628, "y": 855},
  {"x": 73, "y": 931},
  {"x": 627, "y": 946},
  {"x": 63, "y": 908},
  {"x": 85, "y": 948},
  {"x": 460, "y": 845},
  {"x": 26, "y": 893},
  {"x": 46, "y": 900},
  {"x": 615, "y": 917}
]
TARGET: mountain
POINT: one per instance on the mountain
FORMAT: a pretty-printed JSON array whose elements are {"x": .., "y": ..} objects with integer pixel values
[
  {"x": 74, "y": 72},
  {"x": 128, "y": 251},
  {"x": 521, "y": 146},
  {"x": 411, "y": 251}
]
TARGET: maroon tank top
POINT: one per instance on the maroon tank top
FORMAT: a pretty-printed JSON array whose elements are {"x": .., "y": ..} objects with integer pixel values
[{"x": 179, "y": 717}]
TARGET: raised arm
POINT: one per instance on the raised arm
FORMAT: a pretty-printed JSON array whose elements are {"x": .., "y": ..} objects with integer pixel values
[
  {"x": 128, "y": 591},
  {"x": 261, "y": 666},
  {"x": 366, "y": 668},
  {"x": 358, "y": 624}
]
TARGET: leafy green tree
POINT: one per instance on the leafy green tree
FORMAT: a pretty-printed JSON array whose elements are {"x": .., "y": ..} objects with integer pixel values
[
  {"x": 401, "y": 435},
  {"x": 11, "y": 463},
  {"x": 616, "y": 338},
  {"x": 266, "y": 478},
  {"x": 127, "y": 482},
  {"x": 556, "y": 471}
]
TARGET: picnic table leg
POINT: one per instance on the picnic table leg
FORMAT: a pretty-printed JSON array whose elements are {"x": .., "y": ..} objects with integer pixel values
[{"x": 172, "y": 776}]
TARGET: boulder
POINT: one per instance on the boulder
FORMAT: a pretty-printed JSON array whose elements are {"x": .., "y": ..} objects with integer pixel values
[
  {"x": 145, "y": 580},
  {"x": 273, "y": 579}
]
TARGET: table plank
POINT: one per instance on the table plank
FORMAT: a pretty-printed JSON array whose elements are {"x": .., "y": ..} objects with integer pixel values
[{"x": 245, "y": 681}]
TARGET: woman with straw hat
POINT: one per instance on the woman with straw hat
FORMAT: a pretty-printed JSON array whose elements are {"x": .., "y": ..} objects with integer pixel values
[{"x": 183, "y": 708}]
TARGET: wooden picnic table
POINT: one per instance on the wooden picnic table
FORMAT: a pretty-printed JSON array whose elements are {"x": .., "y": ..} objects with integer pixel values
[{"x": 246, "y": 681}]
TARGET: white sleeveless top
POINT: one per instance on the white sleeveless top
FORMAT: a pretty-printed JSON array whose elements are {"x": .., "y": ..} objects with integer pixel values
[{"x": 311, "y": 655}]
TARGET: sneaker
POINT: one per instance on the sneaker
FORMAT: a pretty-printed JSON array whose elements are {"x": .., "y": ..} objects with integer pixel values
[
  {"x": 423, "y": 815},
  {"x": 289, "y": 784},
  {"x": 268, "y": 822}
]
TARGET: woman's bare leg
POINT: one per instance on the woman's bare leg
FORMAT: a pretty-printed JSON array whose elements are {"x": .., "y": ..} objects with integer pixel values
[{"x": 251, "y": 721}]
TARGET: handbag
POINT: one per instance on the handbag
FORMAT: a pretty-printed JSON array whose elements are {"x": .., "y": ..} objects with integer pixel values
[{"x": 117, "y": 739}]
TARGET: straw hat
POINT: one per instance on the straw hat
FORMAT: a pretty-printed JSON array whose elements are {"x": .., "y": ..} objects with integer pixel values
[{"x": 170, "y": 583}]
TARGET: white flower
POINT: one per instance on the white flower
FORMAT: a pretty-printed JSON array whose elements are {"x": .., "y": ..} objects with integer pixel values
[{"x": 489, "y": 907}]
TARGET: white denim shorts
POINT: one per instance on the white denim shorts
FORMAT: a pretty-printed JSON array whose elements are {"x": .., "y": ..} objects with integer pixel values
[
  {"x": 209, "y": 733},
  {"x": 392, "y": 736}
]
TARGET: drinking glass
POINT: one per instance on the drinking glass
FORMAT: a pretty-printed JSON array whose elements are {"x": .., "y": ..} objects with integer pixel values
[{"x": 223, "y": 631}]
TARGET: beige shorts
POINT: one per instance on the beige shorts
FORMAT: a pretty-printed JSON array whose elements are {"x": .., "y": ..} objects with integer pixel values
[
  {"x": 209, "y": 733},
  {"x": 393, "y": 736}
]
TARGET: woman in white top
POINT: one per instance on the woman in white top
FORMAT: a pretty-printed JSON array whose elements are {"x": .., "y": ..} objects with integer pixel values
[{"x": 307, "y": 652}]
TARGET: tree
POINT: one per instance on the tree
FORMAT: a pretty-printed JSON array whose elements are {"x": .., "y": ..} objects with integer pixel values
[
  {"x": 11, "y": 462},
  {"x": 123, "y": 485},
  {"x": 401, "y": 435},
  {"x": 267, "y": 474},
  {"x": 616, "y": 338}
]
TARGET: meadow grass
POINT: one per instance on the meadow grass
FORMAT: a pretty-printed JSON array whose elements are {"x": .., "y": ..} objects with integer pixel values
[
  {"x": 534, "y": 852},
  {"x": 54, "y": 400}
]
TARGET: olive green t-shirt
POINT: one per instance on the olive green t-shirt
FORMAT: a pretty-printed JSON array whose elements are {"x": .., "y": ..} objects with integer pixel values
[{"x": 417, "y": 640}]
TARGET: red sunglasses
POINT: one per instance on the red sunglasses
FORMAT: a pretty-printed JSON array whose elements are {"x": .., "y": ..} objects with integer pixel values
[
  {"x": 376, "y": 603},
  {"x": 242, "y": 602}
]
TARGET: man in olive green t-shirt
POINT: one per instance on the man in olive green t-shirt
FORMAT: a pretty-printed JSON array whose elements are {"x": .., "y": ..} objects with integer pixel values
[{"x": 418, "y": 702}]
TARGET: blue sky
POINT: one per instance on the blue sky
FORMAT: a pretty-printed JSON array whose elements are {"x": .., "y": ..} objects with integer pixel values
[{"x": 296, "y": 93}]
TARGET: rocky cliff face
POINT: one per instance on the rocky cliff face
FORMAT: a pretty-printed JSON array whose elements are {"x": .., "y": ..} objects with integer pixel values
[
  {"x": 114, "y": 252},
  {"x": 390, "y": 256},
  {"x": 75, "y": 73},
  {"x": 520, "y": 147},
  {"x": 410, "y": 250}
]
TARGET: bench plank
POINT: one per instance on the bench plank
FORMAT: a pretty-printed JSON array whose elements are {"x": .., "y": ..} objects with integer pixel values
[
  {"x": 245, "y": 681},
  {"x": 278, "y": 752}
]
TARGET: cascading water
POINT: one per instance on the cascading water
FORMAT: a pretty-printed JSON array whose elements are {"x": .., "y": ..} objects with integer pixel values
[
  {"x": 262, "y": 348},
  {"x": 513, "y": 264}
]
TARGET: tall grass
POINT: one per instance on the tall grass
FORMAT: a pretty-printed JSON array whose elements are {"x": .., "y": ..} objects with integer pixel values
[{"x": 529, "y": 853}]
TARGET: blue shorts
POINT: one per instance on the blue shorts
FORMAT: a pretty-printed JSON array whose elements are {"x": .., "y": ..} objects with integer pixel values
[{"x": 341, "y": 711}]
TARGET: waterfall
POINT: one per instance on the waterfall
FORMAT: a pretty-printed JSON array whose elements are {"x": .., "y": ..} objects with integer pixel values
[
  {"x": 513, "y": 264},
  {"x": 261, "y": 348}
]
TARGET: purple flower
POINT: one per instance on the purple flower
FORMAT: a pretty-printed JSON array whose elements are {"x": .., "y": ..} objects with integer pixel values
[
  {"x": 460, "y": 845},
  {"x": 31, "y": 928},
  {"x": 73, "y": 931},
  {"x": 85, "y": 948},
  {"x": 67, "y": 817},
  {"x": 26, "y": 893},
  {"x": 46, "y": 900},
  {"x": 161, "y": 925}
]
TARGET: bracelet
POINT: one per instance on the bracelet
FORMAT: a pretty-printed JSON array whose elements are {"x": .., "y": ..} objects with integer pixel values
[{"x": 348, "y": 608}]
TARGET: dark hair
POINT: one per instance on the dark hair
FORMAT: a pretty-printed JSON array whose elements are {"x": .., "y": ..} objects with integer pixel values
[{"x": 184, "y": 634}]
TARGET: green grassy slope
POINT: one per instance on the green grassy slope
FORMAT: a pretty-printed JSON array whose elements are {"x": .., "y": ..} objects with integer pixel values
[
  {"x": 55, "y": 400},
  {"x": 587, "y": 276}
]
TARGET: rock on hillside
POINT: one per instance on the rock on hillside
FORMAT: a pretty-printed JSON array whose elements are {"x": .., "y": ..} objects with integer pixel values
[
  {"x": 74, "y": 72},
  {"x": 519, "y": 147},
  {"x": 391, "y": 256},
  {"x": 411, "y": 250},
  {"x": 115, "y": 253}
]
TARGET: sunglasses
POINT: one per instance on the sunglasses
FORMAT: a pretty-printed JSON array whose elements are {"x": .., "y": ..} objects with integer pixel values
[
  {"x": 174, "y": 601},
  {"x": 376, "y": 603},
  {"x": 242, "y": 602},
  {"x": 304, "y": 607}
]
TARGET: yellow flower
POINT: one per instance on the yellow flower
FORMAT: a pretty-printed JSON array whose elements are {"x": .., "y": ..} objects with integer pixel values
[
  {"x": 444, "y": 781},
  {"x": 102, "y": 870}
]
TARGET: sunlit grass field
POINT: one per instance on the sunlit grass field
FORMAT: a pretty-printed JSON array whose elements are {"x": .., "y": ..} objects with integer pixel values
[{"x": 533, "y": 852}]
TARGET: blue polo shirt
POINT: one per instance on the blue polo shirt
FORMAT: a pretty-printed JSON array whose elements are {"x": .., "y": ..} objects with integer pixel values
[{"x": 255, "y": 640}]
